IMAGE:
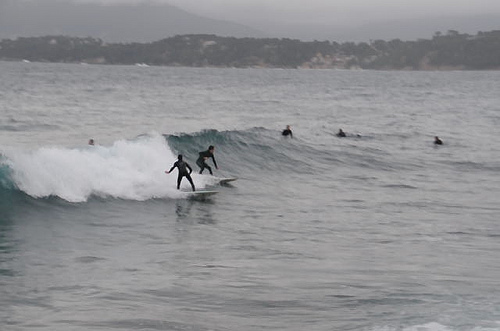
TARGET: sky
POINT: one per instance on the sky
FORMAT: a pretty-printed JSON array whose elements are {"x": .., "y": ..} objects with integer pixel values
[{"x": 342, "y": 12}]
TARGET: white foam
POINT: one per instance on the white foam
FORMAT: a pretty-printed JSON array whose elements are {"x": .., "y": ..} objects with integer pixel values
[
  {"x": 129, "y": 169},
  {"x": 432, "y": 326}
]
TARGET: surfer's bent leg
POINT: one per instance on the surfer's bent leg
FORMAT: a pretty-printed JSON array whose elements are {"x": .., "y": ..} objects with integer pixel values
[{"x": 200, "y": 164}]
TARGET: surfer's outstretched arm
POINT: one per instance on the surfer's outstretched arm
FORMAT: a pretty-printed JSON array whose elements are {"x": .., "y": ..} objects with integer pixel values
[{"x": 171, "y": 169}]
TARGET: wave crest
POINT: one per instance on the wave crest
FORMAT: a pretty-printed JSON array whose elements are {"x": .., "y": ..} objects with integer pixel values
[{"x": 129, "y": 169}]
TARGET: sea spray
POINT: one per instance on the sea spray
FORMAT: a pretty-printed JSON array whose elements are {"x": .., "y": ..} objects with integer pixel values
[{"x": 128, "y": 169}]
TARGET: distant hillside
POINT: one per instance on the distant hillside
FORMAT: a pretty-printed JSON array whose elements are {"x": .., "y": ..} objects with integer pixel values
[
  {"x": 450, "y": 51},
  {"x": 144, "y": 22}
]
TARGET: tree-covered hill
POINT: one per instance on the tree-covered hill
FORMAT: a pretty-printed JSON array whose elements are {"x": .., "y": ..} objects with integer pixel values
[{"x": 452, "y": 50}]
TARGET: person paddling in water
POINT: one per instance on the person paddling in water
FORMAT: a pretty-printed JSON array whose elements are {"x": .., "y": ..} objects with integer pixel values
[
  {"x": 341, "y": 133},
  {"x": 437, "y": 141},
  {"x": 287, "y": 132},
  {"x": 183, "y": 171},
  {"x": 203, "y": 156}
]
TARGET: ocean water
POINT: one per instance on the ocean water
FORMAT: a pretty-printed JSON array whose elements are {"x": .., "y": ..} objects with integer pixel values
[{"x": 377, "y": 231}]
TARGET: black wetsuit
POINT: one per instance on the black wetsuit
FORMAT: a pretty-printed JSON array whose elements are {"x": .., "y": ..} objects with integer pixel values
[
  {"x": 341, "y": 134},
  {"x": 201, "y": 161},
  {"x": 438, "y": 142},
  {"x": 183, "y": 172},
  {"x": 287, "y": 132}
]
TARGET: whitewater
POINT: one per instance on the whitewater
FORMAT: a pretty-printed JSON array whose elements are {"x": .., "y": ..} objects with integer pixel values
[
  {"x": 381, "y": 230},
  {"x": 128, "y": 169}
]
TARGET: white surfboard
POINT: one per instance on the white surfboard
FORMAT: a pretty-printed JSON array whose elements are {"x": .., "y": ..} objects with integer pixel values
[{"x": 201, "y": 194}]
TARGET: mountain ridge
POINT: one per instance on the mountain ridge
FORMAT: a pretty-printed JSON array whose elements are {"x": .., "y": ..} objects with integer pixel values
[
  {"x": 150, "y": 21},
  {"x": 144, "y": 22}
]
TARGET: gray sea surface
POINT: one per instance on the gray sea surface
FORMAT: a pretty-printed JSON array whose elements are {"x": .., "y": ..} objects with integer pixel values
[{"x": 381, "y": 230}]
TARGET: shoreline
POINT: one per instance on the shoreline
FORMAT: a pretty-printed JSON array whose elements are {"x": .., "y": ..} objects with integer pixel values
[{"x": 145, "y": 65}]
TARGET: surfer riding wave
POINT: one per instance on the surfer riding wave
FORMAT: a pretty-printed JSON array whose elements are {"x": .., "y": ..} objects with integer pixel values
[{"x": 203, "y": 156}]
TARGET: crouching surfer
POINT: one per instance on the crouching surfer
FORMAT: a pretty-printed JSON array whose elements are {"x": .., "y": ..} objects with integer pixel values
[{"x": 203, "y": 156}]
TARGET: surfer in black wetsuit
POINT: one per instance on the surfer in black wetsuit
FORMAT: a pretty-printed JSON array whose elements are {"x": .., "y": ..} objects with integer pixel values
[
  {"x": 437, "y": 141},
  {"x": 341, "y": 133},
  {"x": 287, "y": 132},
  {"x": 183, "y": 172},
  {"x": 203, "y": 156}
]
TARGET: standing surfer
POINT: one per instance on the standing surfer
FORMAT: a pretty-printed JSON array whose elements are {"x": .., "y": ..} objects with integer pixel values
[
  {"x": 203, "y": 156},
  {"x": 182, "y": 166}
]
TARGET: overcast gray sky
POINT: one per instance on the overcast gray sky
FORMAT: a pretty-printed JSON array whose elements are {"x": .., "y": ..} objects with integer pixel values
[{"x": 343, "y": 12}]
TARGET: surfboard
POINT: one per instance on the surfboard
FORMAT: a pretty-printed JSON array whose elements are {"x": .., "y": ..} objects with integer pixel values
[
  {"x": 201, "y": 194},
  {"x": 227, "y": 180}
]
